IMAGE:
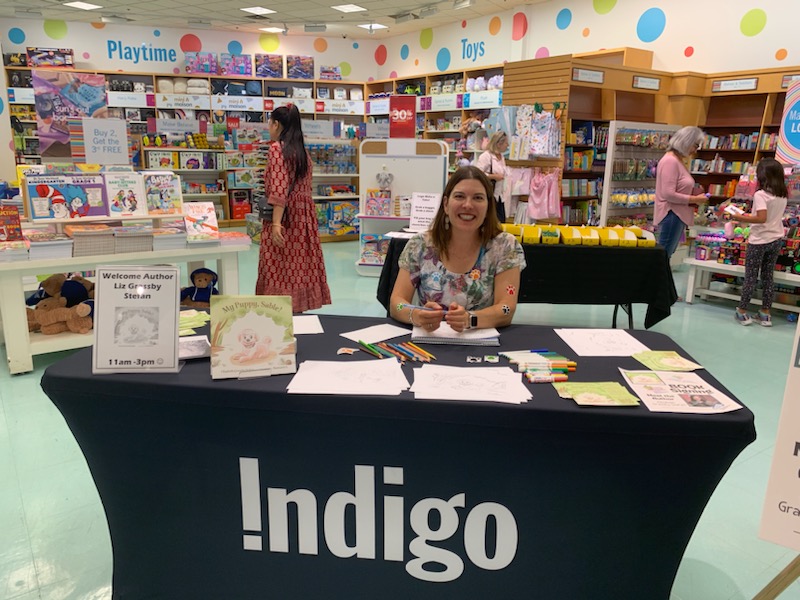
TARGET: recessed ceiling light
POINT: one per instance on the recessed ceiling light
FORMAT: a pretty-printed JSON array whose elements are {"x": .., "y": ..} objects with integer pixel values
[
  {"x": 258, "y": 10},
  {"x": 271, "y": 29},
  {"x": 459, "y": 4},
  {"x": 82, "y": 5},
  {"x": 428, "y": 11},
  {"x": 373, "y": 26},
  {"x": 348, "y": 8}
]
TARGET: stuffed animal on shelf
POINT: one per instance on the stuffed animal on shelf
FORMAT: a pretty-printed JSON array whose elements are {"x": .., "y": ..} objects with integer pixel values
[
  {"x": 198, "y": 295},
  {"x": 75, "y": 290},
  {"x": 53, "y": 316}
]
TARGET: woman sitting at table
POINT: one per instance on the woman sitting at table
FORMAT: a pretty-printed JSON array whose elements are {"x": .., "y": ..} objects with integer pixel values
[{"x": 465, "y": 269}]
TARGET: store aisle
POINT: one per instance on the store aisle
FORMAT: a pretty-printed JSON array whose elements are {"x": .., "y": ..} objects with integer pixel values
[{"x": 54, "y": 543}]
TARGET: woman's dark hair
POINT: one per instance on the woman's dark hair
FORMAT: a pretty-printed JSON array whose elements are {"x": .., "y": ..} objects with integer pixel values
[
  {"x": 769, "y": 173},
  {"x": 440, "y": 235},
  {"x": 294, "y": 149}
]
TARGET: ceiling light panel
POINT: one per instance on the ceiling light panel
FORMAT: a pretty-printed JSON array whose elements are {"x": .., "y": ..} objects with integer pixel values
[
  {"x": 373, "y": 26},
  {"x": 271, "y": 29},
  {"x": 459, "y": 4},
  {"x": 428, "y": 11},
  {"x": 348, "y": 8},
  {"x": 258, "y": 10},
  {"x": 82, "y": 5}
]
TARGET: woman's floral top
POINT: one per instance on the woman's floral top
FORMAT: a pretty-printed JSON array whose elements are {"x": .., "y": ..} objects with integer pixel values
[{"x": 474, "y": 289}]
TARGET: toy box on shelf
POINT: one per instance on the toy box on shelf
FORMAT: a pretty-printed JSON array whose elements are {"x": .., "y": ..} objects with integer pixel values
[
  {"x": 201, "y": 62},
  {"x": 235, "y": 64},
  {"x": 374, "y": 247}
]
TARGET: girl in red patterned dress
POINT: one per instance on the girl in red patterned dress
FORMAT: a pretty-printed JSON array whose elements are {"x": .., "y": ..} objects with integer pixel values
[{"x": 290, "y": 261}]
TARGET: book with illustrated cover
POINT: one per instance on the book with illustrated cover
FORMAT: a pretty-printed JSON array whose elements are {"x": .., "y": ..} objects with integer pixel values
[
  {"x": 252, "y": 336},
  {"x": 201, "y": 222},
  {"x": 163, "y": 193},
  {"x": 10, "y": 228},
  {"x": 125, "y": 193},
  {"x": 68, "y": 196}
]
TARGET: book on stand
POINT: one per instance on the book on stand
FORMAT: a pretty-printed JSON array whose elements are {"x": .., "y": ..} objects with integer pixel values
[
  {"x": 163, "y": 192},
  {"x": 200, "y": 219},
  {"x": 10, "y": 227},
  {"x": 252, "y": 336},
  {"x": 125, "y": 194},
  {"x": 66, "y": 196}
]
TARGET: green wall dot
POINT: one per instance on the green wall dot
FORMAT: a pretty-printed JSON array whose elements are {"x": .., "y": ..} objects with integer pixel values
[
  {"x": 603, "y": 7},
  {"x": 345, "y": 68},
  {"x": 753, "y": 22},
  {"x": 426, "y": 38},
  {"x": 55, "y": 29}
]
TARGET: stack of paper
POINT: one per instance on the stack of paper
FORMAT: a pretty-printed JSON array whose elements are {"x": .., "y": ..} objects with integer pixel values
[
  {"x": 90, "y": 239},
  {"x": 46, "y": 244},
  {"x": 13, "y": 251},
  {"x": 481, "y": 384},
  {"x": 169, "y": 238},
  {"x": 365, "y": 377},
  {"x": 447, "y": 335},
  {"x": 596, "y": 393},
  {"x": 133, "y": 238}
]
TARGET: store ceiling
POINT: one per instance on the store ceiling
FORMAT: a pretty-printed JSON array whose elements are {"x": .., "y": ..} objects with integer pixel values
[{"x": 292, "y": 14}]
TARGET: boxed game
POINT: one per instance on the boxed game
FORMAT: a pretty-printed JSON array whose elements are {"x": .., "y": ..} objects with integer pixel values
[
  {"x": 50, "y": 57},
  {"x": 239, "y": 203},
  {"x": 235, "y": 64},
  {"x": 201, "y": 62},
  {"x": 299, "y": 67},
  {"x": 191, "y": 160},
  {"x": 162, "y": 159},
  {"x": 269, "y": 65},
  {"x": 342, "y": 218}
]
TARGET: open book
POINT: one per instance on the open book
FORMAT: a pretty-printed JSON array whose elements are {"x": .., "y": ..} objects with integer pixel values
[{"x": 447, "y": 335}]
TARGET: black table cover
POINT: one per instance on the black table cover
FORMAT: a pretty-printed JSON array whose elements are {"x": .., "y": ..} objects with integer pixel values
[
  {"x": 604, "y": 500},
  {"x": 560, "y": 274}
]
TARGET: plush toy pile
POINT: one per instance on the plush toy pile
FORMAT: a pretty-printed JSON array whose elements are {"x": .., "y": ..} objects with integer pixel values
[
  {"x": 62, "y": 304},
  {"x": 198, "y": 295}
]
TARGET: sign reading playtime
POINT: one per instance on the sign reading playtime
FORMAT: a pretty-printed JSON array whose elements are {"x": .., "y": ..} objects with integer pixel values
[
  {"x": 118, "y": 50},
  {"x": 788, "y": 150}
]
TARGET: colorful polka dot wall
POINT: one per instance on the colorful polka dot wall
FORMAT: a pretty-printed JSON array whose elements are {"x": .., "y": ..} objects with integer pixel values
[{"x": 758, "y": 36}]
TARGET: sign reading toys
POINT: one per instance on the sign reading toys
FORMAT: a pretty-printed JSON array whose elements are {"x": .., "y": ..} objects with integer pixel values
[{"x": 402, "y": 116}]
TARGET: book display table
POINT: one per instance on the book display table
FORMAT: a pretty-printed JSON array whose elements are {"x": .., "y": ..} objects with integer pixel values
[
  {"x": 202, "y": 482},
  {"x": 561, "y": 274},
  {"x": 22, "y": 346}
]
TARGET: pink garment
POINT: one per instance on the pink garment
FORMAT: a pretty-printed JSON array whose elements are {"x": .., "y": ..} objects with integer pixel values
[
  {"x": 674, "y": 185},
  {"x": 553, "y": 196},
  {"x": 538, "y": 197}
]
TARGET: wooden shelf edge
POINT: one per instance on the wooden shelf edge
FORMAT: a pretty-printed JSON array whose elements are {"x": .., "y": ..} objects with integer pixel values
[{"x": 338, "y": 238}]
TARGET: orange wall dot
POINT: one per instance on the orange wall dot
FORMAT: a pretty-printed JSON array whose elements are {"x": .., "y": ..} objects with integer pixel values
[
  {"x": 320, "y": 44},
  {"x": 585, "y": 32},
  {"x": 494, "y": 25},
  {"x": 781, "y": 54},
  {"x": 99, "y": 25},
  {"x": 416, "y": 62}
]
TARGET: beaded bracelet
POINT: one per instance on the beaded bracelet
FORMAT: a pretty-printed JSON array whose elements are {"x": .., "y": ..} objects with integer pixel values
[{"x": 411, "y": 317}]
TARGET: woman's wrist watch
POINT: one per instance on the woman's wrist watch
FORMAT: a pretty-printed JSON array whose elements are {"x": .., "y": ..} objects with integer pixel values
[{"x": 472, "y": 320}]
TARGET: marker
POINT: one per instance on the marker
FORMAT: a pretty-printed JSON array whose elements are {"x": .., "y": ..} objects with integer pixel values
[
  {"x": 417, "y": 307},
  {"x": 540, "y": 350},
  {"x": 535, "y": 378}
]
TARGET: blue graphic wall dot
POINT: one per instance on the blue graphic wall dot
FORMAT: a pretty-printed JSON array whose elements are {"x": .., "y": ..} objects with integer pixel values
[
  {"x": 651, "y": 25},
  {"x": 355, "y": 45},
  {"x": 16, "y": 35},
  {"x": 564, "y": 18},
  {"x": 443, "y": 59},
  {"x": 235, "y": 47},
  {"x": 2, "y": 106},
  {"x": 157, "y": 33},
  {"x": 404, "y": 51}
]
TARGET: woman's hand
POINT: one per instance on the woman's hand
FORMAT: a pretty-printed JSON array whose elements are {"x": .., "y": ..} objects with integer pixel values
[
  {"x": 431, "y": 319},
  {"x": 457, "y": 317},
  {"x": 277, "y": 235}
]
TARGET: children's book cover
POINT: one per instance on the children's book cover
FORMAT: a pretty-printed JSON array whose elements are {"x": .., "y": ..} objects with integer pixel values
[
  {"x": 201, "y": 221},
  {"x": 66, "y": 196},
  {"x": 269, "y": 65},
  {"x": 125, "y": 193},
  {"x": 299, "y": 67},
  {"x": 10, "y": 228},
  {"x": 252, "y": 336},
  {"x": 163, "y": 192}
]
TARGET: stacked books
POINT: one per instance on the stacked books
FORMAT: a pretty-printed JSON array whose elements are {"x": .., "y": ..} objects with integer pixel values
[
  {"x": 13, "y": 251},
  {"x": 90, "y": 239},
  {"x": 48, "y": 244},
  {"x": 170, "y": 236},
  {"x": 133, "y": 238},
  {"x": 234, "y": 238}
]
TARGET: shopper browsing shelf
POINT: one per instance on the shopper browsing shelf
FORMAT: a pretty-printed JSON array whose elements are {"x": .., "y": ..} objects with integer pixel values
[
  {"x": 765, "y": 240},
  {"x": 465, "y": 269},
  {"x": 290, "y": 257},
  {"x": 493, "y": 164},
  {"x": 676, "y": 190}
]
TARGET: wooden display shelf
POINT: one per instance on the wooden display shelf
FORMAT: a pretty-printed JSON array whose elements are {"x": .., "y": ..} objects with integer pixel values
[
  {"x": 338, "y": 238},
  {"x": 574, "y": 198}
]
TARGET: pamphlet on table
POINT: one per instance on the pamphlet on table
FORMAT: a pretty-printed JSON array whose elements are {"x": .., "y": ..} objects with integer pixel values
[{"x": 669, "y": 391}]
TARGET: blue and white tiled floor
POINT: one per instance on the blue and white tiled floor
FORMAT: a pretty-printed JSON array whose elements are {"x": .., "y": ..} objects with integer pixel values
[{"x": 54, "y": 542}]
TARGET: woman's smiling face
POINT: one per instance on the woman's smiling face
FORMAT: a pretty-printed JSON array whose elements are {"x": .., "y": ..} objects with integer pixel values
[{"x": 467, "y": 205}]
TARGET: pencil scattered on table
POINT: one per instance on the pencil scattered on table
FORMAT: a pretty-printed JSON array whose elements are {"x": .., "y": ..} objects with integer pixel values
[{"x": 403, "y": 351}]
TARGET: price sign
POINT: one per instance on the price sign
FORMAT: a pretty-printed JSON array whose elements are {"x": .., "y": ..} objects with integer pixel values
[
  {"x": 105, "y": 141},
  {"x": 402, "y": 116}
]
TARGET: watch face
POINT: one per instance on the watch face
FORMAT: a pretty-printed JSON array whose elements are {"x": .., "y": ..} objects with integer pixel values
[{"x": 473, "y": 320}]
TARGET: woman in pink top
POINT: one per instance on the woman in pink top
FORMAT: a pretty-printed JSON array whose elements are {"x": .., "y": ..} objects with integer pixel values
[{"x": 675, "y": 187}]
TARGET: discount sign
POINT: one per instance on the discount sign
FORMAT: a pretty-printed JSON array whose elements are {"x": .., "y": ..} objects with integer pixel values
[
  {"x": 402, "y": 116},
  {"x": 106, "y": 141}
]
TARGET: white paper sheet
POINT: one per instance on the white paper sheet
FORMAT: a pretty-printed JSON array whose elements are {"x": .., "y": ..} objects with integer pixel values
[
  {"x": 601, "y": 342},
  {"x": 368, "y": 377},
  {"x": 479, "y": 384},
  {"x": 306, "y": 324},
  {"x": 376, "y": 333}
]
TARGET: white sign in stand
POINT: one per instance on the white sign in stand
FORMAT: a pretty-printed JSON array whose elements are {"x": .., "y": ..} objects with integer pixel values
[
  {"x": 423, "y": 210},
  {"x": 136, "y": 319},
  {"x": 780, "y": 517},
  {"x": 106, "y": 141}
]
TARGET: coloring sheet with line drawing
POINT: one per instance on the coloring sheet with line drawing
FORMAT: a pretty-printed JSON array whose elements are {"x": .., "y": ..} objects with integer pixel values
[
  {"x": 482, "y": 384},
  {"x": 349, "y": 378},
  {"x": 601, "y": 342}
]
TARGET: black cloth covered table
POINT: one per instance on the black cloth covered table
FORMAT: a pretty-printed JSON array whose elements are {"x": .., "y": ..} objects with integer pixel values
[
  {"x": 604, "y": 500},
  {"x": 560, "y": 274}
]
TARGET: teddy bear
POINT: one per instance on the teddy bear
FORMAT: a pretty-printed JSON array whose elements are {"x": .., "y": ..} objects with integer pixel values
[
  {"x": 75, "y": 290},
  {"x": 198, "y": 295},
  {"x": 53, "y": 316}
]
